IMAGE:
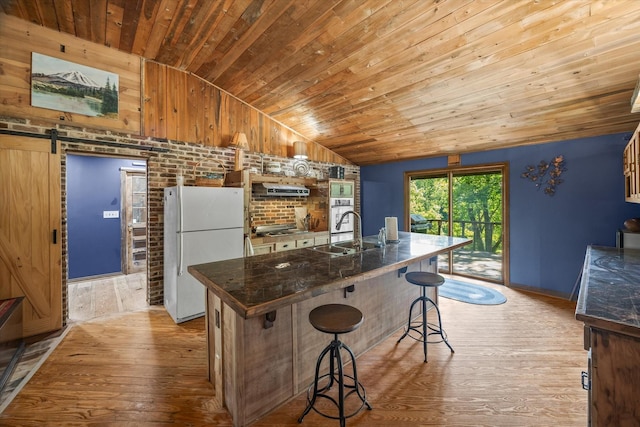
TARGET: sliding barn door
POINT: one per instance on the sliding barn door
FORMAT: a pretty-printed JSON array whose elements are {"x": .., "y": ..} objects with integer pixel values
[{"x": 30, "y": 243}]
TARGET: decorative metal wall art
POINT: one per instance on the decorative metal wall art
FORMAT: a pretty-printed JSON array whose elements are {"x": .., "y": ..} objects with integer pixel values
[{"x": 546, "y": 175}]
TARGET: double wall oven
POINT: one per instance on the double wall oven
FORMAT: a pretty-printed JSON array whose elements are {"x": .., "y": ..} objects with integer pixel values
[{"x": 341, "y": 200}]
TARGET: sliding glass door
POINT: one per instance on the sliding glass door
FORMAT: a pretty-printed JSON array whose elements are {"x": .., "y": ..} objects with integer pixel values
[{"x": 463, "y": 202}]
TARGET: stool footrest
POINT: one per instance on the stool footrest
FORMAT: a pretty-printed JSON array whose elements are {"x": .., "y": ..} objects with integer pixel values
[
  {"x": 432, "y": 329},
  {"x": 336, "y": 376},
  {"x": 427, "y": 328},
  {"x": 355, "y": 388}
]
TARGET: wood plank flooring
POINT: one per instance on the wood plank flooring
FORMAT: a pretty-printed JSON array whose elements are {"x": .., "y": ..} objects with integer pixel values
[
  {"x": 90, "y": 299},
  {"x": 516, "y": 364}
]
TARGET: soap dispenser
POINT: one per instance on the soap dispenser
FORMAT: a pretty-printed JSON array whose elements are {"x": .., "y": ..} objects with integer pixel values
[{"x": 382, "y": 237}]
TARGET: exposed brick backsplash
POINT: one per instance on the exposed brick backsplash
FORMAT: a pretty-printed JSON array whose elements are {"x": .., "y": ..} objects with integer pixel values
[{"x": 190, "y": 160}]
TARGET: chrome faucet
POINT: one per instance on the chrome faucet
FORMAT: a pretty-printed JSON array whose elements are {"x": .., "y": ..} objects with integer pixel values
[{"x": 358, "y": 241}]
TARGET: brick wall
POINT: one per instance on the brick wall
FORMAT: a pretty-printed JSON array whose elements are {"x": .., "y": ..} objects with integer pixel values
[{"x": 190, "y": 160}]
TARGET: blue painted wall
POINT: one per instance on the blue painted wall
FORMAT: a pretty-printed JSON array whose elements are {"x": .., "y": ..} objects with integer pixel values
[
  {"x": 93, "y": 186},
  {"x": 549, "y": 235}
]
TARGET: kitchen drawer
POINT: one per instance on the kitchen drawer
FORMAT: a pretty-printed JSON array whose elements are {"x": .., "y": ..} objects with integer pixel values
[
  {"x": 303, "y": 243},
  {"x": 285, "y": 246},
  {"x": 262, "y": 249},
  {"x": 321, "y": 240}
]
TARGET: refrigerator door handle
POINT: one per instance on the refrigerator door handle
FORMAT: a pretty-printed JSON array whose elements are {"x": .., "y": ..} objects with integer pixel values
[{"x": 180, "y": 235}]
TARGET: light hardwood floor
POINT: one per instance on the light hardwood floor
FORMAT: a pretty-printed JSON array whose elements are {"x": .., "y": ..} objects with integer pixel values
[
  {"x": 94, "y": 298},
  {"x": 516, "y": 364}
]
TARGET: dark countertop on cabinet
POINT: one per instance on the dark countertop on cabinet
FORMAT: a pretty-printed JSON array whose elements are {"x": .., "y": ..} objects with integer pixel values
[
  {"x": 609, "y": 295},
  {"x": 257, "y": 285}
]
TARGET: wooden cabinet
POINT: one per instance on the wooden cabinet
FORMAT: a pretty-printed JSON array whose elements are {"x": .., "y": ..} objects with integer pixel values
[
  {"x": 303, "y": 243},
  {"x": 614, "y": 389},
  {"x": 286, "y": 245},
  {"x": 321, "y": 240},
  {"x": 266, "y": 245},
  {"x": 307, "y": 242},
  {"x": 263, "y": 249},
  {"x": 608, "y": 305},
  {"x": 631, "y": 164}
]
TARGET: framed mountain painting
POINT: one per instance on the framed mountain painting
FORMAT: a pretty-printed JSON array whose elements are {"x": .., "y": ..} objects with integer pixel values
[{"x": 61, "y": 85}]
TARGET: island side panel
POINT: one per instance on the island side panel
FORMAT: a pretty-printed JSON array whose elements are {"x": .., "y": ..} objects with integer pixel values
[
  {"x": 268, "y": 363},
  {"x": 233, "y": 352},
  {"x": 214, "y": 344},
  {"x": 384, "y": 301},
  {"x": 257, "y": 363},
  {"x": 615, "y": 378}
]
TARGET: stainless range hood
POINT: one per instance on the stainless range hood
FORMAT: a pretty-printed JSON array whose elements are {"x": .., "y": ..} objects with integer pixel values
[{"x": 280, "y": 190}]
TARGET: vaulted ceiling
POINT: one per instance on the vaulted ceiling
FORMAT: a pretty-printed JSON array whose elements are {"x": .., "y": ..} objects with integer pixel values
[{"x": 384, "y": 80}]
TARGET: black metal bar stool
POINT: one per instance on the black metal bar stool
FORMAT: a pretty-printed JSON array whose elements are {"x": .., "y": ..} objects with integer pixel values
[
  {"x": 425, "y": 280},
  {"x": 335, "y": 319}
]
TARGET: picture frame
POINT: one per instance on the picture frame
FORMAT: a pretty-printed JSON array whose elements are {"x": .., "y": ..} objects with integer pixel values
[{"x": 62, "y": 85}]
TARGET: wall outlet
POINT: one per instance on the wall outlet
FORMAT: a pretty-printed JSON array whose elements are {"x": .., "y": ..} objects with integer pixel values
[{"x": 110, "y": 214}]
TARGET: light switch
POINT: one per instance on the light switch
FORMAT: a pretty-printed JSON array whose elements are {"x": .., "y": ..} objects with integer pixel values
[{"x": 110, "y": 214}]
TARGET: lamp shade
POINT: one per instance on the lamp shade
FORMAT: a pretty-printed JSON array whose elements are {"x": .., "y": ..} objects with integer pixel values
[
  {"x": 299, "y": 150},
  {"x": 239, "y": 140}
]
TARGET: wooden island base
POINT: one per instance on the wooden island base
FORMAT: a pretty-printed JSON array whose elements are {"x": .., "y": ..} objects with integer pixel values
[{"x": 254, "y": 370}]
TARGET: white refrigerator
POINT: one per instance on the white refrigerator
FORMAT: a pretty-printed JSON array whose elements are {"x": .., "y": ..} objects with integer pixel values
[{"x": 201, "y": 224}]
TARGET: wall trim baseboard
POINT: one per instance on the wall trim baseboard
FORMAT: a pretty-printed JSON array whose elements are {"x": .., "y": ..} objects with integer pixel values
[{"x": 540, "y": 291}]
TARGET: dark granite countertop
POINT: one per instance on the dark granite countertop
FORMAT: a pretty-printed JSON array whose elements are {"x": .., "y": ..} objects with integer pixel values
[
  {"x": 610, "y": 290},
  {"x": 257, "y": 285}
]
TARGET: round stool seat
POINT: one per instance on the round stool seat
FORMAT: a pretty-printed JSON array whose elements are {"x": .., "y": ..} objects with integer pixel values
[
  {"x": 424, "y": 278},
  {"x": 336, "y": 318}
]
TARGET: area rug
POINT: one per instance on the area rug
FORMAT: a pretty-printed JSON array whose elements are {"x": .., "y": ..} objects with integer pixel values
[
  {"x": 35, "y": 354},
  {"x": 470, "y": 293}
]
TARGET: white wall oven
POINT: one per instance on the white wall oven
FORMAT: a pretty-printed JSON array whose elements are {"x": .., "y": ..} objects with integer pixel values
[{"x": 341, "y": 200}]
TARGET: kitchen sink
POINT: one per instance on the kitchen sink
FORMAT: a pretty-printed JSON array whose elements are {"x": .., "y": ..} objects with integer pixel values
[{"x": 342, "y": 248}]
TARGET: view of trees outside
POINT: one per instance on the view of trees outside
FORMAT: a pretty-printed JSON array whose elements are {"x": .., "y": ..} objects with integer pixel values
[
  {"x": 476, "y": 214},
  {"x": 429, "y": 198},
  {"x": 477, "y": 210}
]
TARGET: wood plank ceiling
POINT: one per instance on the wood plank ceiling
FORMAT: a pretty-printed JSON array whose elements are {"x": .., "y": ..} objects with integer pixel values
[{"x": 385, "y": 80}]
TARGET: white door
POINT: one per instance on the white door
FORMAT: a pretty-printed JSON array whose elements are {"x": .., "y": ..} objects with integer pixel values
[
  {"x": 199, "y": 248},
  {"x": 206, "y": 208}
]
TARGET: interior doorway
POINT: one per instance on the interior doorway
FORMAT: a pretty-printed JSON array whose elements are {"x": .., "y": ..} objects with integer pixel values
[
  {"x": 106, "y": 200},
  {"x": 134, "y": 224},
  {"x": 464, "y": 202}
]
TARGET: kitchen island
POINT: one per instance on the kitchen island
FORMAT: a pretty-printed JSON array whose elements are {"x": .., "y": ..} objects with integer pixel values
[
  {"x": 262, "y": 349},
  {"x": 609, "y": 306}
]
